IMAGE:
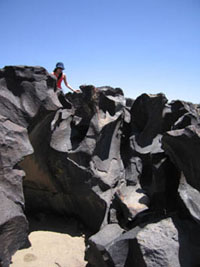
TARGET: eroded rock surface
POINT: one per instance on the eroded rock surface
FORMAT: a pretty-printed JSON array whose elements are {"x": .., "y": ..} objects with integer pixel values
[{"x": 127, "y": 169}]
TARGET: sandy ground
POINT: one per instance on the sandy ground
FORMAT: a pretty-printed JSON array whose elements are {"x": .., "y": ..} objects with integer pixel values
[{"x": 55, "y": 242}]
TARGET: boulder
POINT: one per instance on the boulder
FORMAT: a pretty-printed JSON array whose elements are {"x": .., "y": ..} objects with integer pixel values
[
  {"x": 158, "y": 243},
  {"x": 130, "y": 201},
  {"x": 99, "y": 247},
  {"x": 24, "y": 90},
  {"x": 190, "y": 197},
  {"x": 15, "y": 145},
  {"x": 24, "y": 93},
  {"x": 183, "y": 148}
]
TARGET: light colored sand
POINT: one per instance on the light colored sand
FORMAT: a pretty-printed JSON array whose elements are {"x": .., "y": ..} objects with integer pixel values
[
  {"x": 51, "y": 249},
  {"x": 61, "y": 247}
]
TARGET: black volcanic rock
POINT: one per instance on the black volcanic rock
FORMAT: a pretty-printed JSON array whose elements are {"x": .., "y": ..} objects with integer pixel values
[
  {"x": 14, "y": 145},
  {"x": 190, "y": 197},
  {"x": 158, "y": 243},
  {"x": 147, "y": 118},
  {"x": 23, "y": 95},
  {"x": 24, "y": 90},
  {"x": 100, "y": 246},
  {"x": 183, "y": 147},
  {"x": 127, "y": 169}
]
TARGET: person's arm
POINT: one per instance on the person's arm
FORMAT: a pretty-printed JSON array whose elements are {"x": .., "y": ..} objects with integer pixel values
[{"x": 66, "y": 83}]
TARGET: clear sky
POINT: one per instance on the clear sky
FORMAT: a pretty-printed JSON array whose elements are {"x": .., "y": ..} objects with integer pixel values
[{"x": 141, "y": 46}]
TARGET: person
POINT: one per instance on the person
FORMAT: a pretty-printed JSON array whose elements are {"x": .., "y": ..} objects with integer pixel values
[{"x": 58, "y": 72}]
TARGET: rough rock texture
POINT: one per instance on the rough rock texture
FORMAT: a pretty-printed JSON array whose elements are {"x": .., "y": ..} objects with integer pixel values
[
  {"x": 127, "y": 169},
  {"x": 23, "y": 94},
  {"x": 161, "y": 237}
]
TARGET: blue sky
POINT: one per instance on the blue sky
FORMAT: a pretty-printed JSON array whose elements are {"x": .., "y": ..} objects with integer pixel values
[{"x": 141, "y": 46}]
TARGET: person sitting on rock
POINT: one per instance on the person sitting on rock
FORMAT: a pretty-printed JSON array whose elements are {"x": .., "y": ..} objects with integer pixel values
[{"x": 58, "y": 72}]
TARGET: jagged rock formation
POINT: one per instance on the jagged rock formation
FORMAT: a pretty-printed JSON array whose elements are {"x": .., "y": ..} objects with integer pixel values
[
  {"x": 127, "y": 169},
  {"x": 25, "y": 92}
]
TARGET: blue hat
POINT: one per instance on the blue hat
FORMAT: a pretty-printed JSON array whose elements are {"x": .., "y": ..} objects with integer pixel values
[{"x": 60, "y": 65}]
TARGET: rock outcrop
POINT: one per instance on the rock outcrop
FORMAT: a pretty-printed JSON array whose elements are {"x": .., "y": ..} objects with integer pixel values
[{"x": 127, "y": 169}]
